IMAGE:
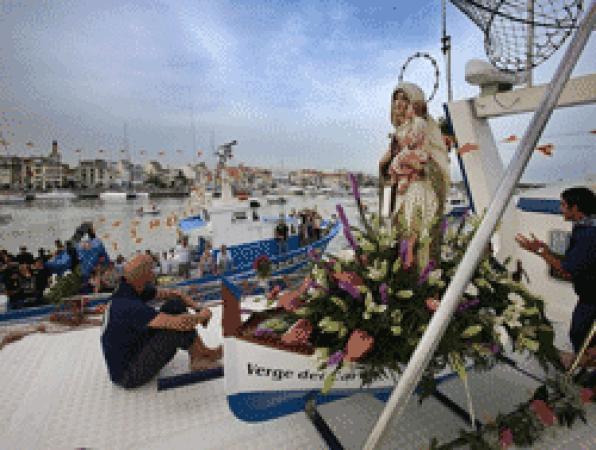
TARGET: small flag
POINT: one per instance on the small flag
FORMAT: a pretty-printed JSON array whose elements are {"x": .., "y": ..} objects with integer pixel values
[
  {"x": 142, "y": 152},
  {"x": 30, "y": 144},
  {"x": 178, "y": 151},
  {"x": 101, "y": 150},
  {"x": 78, "y": 150},
  {"x": 467, "y": 147},
  {"x": 139, "y": 240},
  {"x": 546, "y": 149},
  {"x": 162, "y": 153},
  {"x": 200, "y": 153},
  {"x": 510, "y": 139}
]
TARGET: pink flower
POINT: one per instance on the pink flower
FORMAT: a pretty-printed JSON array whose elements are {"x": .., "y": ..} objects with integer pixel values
[
  {"x": 359, "y": 343},
  {"x": 298, "y": 334},
  {"x": 543, "y": 412},
  {"x": 586, "y": 394},
  {"x": 506, "y": 438},
  {"x": 290, "y": 300},
  {"x": 432, "y": 304}
]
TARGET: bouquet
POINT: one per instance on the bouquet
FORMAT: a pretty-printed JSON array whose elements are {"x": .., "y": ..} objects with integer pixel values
[{"x": 262, "y": 266}]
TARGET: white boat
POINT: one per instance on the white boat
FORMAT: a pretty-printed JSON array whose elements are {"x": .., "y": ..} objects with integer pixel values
[
  {"x": 6, "y": 198},
  {"x": 112, "y": 196},
  {"x": 55, "y": 195}
]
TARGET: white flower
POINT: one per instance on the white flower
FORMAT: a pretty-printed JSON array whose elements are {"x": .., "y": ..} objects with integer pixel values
[
  {"x": 516, "y": 299},
  {"x": 471, "y": 290},
  {"x": 378, "y": 271}
]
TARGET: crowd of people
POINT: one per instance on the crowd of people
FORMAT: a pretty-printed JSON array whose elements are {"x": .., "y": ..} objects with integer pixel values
[{"x": 306, "y": 223}]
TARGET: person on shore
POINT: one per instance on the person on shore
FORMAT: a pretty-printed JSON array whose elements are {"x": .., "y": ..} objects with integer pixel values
[
  {"x": 224, "y": 261},
  {"x": 13, "y": 285},
  {"x": 164, "y": 264},
  {"x": 206, "y": 263},
  {"x": 137, "y": 341},
  {"x": 183, "y": 257},
  {"x": 24, "y": 257},
  {"x": 578, "y": 205},
  {"x": 41, "y": 279},
  {"x": 119, "y": 266},
  {"x": 281, "y": 235}
]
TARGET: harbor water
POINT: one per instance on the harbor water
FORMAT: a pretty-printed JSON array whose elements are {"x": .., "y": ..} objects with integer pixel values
[{"x": 39, "y": 223}]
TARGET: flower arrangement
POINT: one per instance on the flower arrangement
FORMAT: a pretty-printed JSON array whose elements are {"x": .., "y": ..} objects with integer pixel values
[
  {"x": 65, "y": 286},
  {"x": 371, "y": 310},
  {"x": 262, "y": 266}
]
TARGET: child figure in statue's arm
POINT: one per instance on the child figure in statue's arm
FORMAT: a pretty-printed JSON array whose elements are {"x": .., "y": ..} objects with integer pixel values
[{"x": 409, "y": 158}]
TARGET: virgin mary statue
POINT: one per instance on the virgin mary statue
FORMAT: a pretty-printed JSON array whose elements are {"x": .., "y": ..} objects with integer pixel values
[{"x": 417, "y": 165}]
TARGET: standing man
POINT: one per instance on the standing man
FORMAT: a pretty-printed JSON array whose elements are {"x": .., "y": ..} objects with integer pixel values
[
  {"x": 281, "y": 235},
  {"x": 578, "y": 205},
  {"x": 138, "y": 341}
]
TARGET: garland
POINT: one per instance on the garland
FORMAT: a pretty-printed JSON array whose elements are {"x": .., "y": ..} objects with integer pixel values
[{"x": 559, "y": 401}]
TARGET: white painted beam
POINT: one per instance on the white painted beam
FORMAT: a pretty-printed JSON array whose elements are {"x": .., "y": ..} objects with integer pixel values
[{"x": 578, "y": 91}]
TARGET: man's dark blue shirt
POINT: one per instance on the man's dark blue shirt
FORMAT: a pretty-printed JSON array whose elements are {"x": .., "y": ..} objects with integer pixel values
[
  {"x": 580, "y": 260},
  {"x": 124, "y": 329}
]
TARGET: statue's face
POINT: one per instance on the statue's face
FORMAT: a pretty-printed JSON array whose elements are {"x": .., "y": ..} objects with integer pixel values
[{"x": 399, "y": 107}]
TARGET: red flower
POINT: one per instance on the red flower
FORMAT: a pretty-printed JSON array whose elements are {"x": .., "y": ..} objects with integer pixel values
[
  {"x": 358, "y": 345},
  {"x": 349, "y": 277},
  {"x": 273, "y": 293},
  {"x": 506, "y": 438},
  {"x": 586, "y": 395},
  {"x": 432, "y": 304},
  {"x": 298, "y": 334},
  {"x": 544, "y": 413}
]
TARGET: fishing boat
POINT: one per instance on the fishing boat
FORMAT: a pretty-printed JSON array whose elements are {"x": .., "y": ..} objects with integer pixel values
[{"x": 152, "y": 211}]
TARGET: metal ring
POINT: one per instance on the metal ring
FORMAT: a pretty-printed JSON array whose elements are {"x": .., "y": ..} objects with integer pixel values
[{"x": 432, "y": 61}]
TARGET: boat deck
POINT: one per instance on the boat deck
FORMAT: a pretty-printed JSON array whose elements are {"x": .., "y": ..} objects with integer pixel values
[{"x": 55, "y": 393}]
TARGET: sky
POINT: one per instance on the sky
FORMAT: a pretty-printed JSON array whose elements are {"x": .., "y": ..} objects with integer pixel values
[{"x": 299, "y": 84}]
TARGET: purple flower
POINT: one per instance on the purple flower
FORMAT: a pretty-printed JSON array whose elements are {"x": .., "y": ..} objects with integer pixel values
[
  {"x": 383, "y": 292},
  {"x": 349, "y": 288},
  {"x": 336, "y": 358},
  {"x": 314, "y": 254},
  {"x": 444, "y": 226},
  {"x": 426, "y": 272},
  {"x": 261, "y": 332},
  {"x": 355, "y": 191},
  {"x": 346, "y": 227},
  {"x": 468, "y": 304},
  {"x": 403, "y": 249}
]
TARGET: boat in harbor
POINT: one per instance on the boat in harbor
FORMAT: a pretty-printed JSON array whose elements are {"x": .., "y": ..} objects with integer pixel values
[
  {"x": 55, "y": 195},
  {"x": 10, "y": 198}
]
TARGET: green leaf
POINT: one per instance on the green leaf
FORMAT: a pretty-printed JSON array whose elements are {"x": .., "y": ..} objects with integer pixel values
[
  {"x": 472, "y": 330},
  {"x": 328, "y": 383}
]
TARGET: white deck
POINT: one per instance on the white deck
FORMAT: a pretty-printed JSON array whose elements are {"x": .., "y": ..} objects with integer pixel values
[{"x": 55, "y": 393}]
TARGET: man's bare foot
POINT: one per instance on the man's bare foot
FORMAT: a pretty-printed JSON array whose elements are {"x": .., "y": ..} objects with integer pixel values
[
  {"x": 198, "y": 364},
  {"x": 198, "y": 351}
]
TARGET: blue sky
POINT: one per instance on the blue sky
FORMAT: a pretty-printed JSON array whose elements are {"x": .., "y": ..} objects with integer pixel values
[{"x": 298, "y": 83}]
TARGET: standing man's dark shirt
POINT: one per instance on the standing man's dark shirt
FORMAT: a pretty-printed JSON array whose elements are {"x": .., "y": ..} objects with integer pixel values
[
  {"x": 580, "y": 260},
  {"x": 124, "y": 329}
]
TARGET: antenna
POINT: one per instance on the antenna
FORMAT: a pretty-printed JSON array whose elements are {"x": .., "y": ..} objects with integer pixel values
[{"x": 446, "y": 49}]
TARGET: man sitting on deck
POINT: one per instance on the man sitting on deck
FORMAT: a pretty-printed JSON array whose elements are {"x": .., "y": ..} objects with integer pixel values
[{"x": 138, "y": 341}]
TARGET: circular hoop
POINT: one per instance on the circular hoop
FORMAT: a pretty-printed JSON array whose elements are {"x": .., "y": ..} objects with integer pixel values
[{"x": 434, "y": 64}]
